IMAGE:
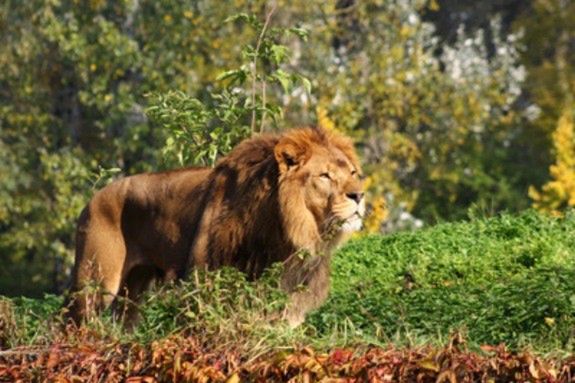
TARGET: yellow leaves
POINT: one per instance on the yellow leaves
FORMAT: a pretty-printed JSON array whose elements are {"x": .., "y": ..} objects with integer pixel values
[
  {"x": 97, "y": 4},
  {"x": 406, "y": 31},
  {"x": 397, "y": 53},
  {"x": 429, "y": 364},
  {"x": 559, "y": 193},
  {"x": 309, "y": 364},
  {"x": 379, "y": 214},
  {"x": 563, "y": 140},
  {"x": 323, "y": 119},
  {"x": 403, "y": 148},
  {"x": 400, "y": 156},
  {"x": 434, "y": 6},
  {"x": 141, "y": 379}
]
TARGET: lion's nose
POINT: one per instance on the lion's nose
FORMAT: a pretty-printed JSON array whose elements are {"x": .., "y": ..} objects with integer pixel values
[{"x": 356, "y": 196}]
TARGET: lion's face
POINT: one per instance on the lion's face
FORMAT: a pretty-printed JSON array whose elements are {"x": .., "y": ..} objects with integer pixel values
[
  {"x": 320, "y": 180},
  {"x": 333, "y": 190}
]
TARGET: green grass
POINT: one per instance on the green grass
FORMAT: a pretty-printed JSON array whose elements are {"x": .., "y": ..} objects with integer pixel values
[{"x": 507, "y": 279}]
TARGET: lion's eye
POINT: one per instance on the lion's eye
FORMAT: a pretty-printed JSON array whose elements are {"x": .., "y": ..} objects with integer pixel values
[
  {"x": 325, "y": 176},
  {"x": 356, "y": 174}
]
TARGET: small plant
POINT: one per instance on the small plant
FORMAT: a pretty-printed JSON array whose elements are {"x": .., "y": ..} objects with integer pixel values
[
  {"x": 28, "y": 321},
  {"x": 200, "y": 131},
  {"x": 102, "y": 176},
  {"x": 7, "y": 323},
  {"x": 222, "y": 308}
]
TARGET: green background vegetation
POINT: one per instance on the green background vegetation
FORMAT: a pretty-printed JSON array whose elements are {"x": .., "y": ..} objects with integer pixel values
[{"x": 452, "y": 104}]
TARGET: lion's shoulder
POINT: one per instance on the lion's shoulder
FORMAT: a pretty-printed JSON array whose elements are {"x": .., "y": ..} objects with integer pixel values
[{"x": 250, "y": 152}]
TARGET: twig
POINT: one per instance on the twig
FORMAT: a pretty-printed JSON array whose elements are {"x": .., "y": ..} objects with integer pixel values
[
  {"x": 263, "y": 106},
  {"x": 255, "y": 65},
  {"x": 25, "y": 351}
]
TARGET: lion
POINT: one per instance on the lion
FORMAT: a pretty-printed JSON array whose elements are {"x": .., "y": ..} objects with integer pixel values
[{"x": 271, "y": 199}]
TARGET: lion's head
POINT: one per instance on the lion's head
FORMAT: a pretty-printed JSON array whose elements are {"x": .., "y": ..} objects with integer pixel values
[{"x": 320, "y": 187}]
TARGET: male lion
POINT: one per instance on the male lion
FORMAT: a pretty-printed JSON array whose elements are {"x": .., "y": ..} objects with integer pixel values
[{"x": 270, "y": 198}]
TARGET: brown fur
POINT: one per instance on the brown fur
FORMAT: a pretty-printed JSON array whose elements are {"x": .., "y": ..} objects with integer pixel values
[{"x": 271, "y": 197}]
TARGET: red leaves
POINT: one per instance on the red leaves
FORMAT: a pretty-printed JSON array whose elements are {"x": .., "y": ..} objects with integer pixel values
[
  {"x": 340, "y": 356},
  {"x": 185, "y": 359}
]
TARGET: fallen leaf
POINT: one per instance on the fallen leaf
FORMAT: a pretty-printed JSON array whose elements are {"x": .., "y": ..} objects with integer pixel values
[
  {"x": 234, "y": 378},
  {"x": 428, "y": 364}
]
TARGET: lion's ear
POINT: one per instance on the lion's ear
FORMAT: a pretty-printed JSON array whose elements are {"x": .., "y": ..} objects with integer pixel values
[{"x": 287, "y": 154}]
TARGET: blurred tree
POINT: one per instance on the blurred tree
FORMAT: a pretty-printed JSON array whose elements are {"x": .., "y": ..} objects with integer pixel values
[
  {"x": 549, "y": 55},
  {"x": 435, "y": 124},
  {"x": 559, "y": 193},
  {"x": 441, "y": 111},
  {"x": 449, "y": 16},
  {"x": 72, "y": 95},
  {"x": 547, "y": 31}
]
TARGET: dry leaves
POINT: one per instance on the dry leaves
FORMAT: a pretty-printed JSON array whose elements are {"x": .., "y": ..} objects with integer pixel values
[{"x": 185, "y": 359}]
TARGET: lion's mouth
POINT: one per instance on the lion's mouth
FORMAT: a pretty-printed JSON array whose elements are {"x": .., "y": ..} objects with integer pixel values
[
  {"x": 346, "y": 218},
  {"x": 352, "y": 223}
]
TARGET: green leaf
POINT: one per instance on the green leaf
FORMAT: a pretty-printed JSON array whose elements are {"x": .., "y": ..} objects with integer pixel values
[
  {"x": 279, "y": 53},
  {"x": 306, "y": 83},
  {"x": 236, "y": 76},
  {"x": 302, "y": 33},
  {"x": 238, "y": 17},
  {"x": 284, "y": 79}
]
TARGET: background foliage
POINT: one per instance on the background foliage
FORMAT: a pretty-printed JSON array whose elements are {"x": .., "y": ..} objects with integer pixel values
[{"x": 452, "y": 104}]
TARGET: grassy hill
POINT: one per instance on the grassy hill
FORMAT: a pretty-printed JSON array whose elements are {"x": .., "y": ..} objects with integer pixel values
[
  {"x": 419, "y": 299},
  {"x": 505, "y": 279}
]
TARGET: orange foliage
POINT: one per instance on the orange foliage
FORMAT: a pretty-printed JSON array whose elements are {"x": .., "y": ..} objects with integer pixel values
[{"x": 187, "y": 359}]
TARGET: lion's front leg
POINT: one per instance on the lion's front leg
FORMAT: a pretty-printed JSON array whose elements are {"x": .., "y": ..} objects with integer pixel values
[{"x": 307, "y": 282}]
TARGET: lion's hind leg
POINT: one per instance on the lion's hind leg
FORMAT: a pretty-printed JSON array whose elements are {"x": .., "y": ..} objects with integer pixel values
[
  {"x": 137, "y": 280},
  {"x": 98, "y": 269}
]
